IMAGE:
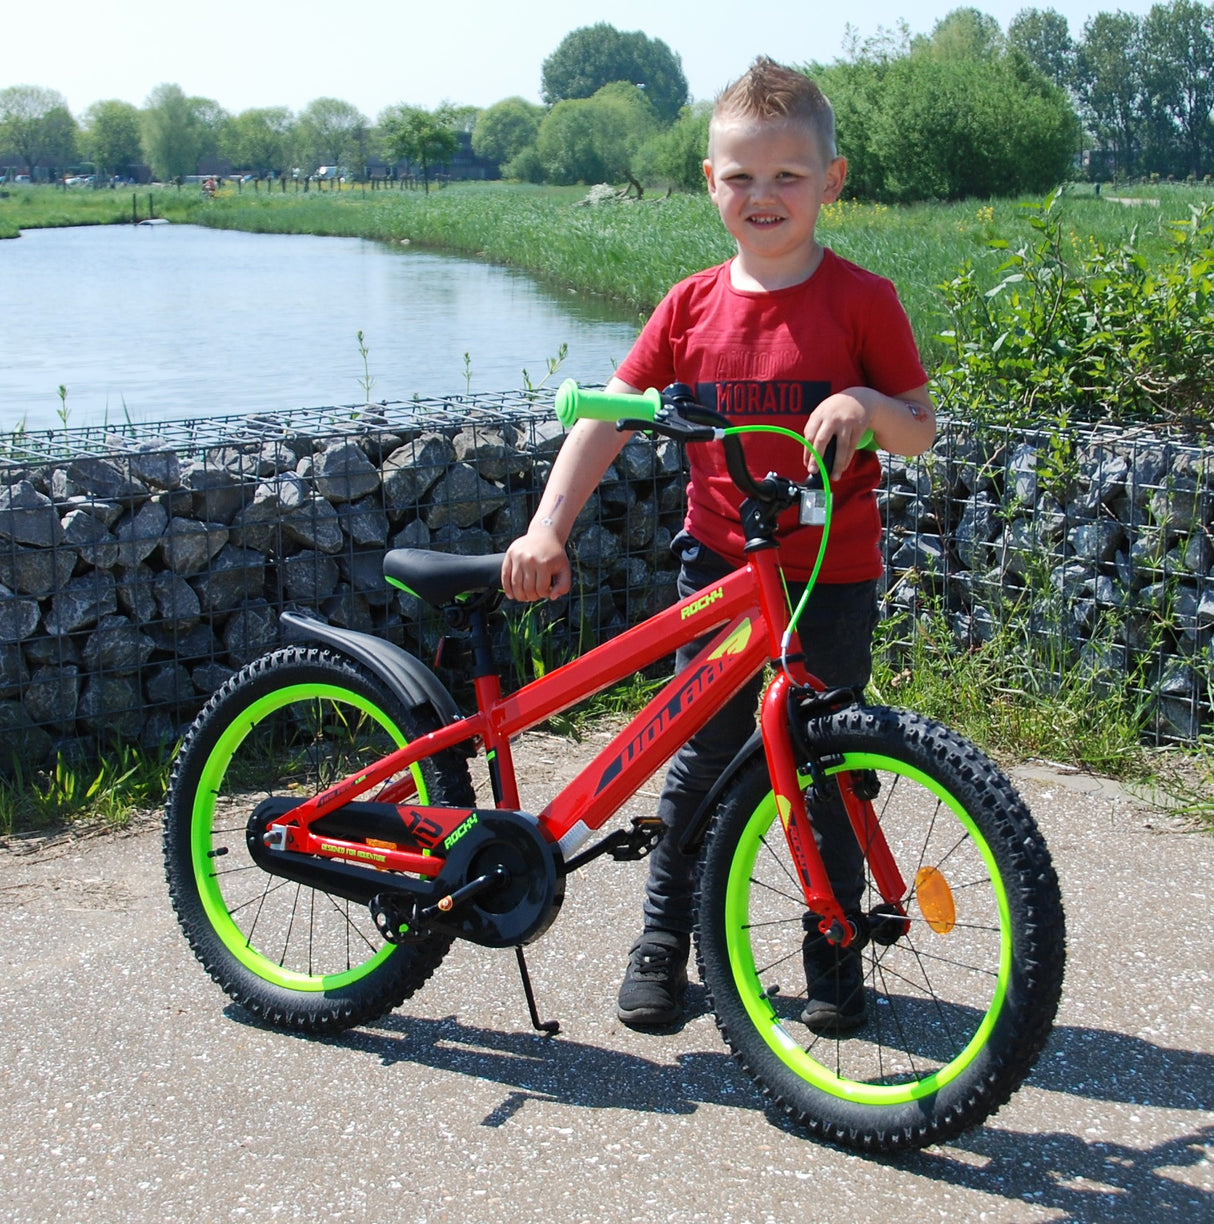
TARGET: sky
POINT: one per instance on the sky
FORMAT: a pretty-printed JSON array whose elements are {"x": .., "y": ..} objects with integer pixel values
[{"x": 377, "y": 53}]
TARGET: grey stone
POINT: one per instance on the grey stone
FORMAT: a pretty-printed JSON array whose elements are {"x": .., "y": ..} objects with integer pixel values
[
  {"x": 51, "y": 695},
  {"x": 187, "y": 545},
  {"x": 1097, "y": 542},
  {"x": 91, "y": 538},
  {"x": 309, "y": 576},
  {"x": 218, "y": 494},
  {"x": 139, "y": 534},
  {"x": 343, "y": 473},
  {"x": 235, "y": 575},
  {"x": 29, "y": 517},
  {"x": 112, "y": 707},
  {"x": 23, "y": 746},
  {"x": 116, "y": 647},
  {"x": 136, "y": 593},
  {"x": 365, "y": 522},
  {"x": 152, "y": 462},
  {"x": 490, "y": 450},
  {"x": 107, "y": 477},
  {"x": 82, "y": 602},
  {"x": 36, "y": 571},
  {"x": 250, "y": 632},
  {"x": 410, "y": 472},
  {"x": 170, "y": 685},
  {"x": 315, "y": 525},
  {"x": 462, "y": 498},
  {"x": 177, "y": 604}
]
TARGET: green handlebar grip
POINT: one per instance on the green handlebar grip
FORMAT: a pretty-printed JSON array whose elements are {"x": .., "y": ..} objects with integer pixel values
[{"x": 574, "y": 404}]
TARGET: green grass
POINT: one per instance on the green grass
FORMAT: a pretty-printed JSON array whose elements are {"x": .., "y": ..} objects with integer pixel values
[{"x": 127, "y": 780}]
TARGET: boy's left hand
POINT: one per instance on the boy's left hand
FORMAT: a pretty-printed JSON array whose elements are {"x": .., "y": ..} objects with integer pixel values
[{"x": 845, "y": 418}]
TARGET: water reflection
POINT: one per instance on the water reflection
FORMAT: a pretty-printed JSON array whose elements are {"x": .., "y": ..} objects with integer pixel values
[{"x": 170, "y": 322}]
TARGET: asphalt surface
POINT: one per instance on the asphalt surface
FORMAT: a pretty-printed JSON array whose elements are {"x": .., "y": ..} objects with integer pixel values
[{"x": 132, "y": 1090}]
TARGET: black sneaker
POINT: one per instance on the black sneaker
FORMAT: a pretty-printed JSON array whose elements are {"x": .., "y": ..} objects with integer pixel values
[
  {"x": 652, "y": 990},
  {"x": 834, "y": 979}
]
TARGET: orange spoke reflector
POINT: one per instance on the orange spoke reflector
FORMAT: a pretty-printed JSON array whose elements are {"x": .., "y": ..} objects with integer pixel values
[{"x": 935, "y": 900}]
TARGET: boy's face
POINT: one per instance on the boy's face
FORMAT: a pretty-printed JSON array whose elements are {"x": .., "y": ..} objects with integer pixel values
[{"x": 769, "y": 181}]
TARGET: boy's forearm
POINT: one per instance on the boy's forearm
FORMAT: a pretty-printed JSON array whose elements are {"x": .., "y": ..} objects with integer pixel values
[
  {"x": 580, "y": 465},
  {"x": 903, "y": 424}
]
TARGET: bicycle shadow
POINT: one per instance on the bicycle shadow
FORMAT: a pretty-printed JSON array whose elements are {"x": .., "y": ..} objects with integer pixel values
[{"x": 1051, "y": 1171}]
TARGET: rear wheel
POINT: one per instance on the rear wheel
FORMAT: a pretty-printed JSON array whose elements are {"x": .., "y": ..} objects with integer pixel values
[
  {"x": 288, "y": 726},
  {"x": 959, "y": 996}
]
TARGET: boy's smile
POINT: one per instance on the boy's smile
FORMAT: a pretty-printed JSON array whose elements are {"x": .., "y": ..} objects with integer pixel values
[{"x": 769, "y": 182}]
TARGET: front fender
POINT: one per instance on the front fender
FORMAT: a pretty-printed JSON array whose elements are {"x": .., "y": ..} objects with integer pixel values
[
  {"x": 406, "y": 676},
  {"x": 693, "y": 837}
]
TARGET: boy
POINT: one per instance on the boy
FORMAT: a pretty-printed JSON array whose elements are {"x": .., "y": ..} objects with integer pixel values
[{"x": 786, "y": 332}]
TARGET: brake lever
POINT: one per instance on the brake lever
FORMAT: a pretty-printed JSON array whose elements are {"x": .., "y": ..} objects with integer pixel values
[{"x": 671, "y": 425}]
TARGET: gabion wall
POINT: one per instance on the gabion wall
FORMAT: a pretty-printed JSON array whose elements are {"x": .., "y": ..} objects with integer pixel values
[
  {"x": 138, "y": 573},
  {"x": 1093, "y": 549}
]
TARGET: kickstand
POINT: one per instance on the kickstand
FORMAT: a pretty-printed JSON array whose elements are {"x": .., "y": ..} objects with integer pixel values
[{"x": 540, "y": 1026}]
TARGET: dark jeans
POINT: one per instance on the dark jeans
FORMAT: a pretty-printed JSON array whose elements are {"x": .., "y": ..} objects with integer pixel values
[{"x": 836, "y": 633}]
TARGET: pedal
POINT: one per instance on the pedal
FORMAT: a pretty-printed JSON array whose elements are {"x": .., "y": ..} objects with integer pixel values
[
  {"x": 395, "y": 920},
  {"x": 639, "y": 841}
]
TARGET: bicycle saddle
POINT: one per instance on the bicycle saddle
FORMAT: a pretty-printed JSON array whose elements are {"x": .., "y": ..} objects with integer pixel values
[{"x": 439, "y": 578}]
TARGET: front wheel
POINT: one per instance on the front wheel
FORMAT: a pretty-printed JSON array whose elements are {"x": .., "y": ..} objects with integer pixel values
[
  {"x": 958, "y": 997},
  {"x": 288, "y": 726}
]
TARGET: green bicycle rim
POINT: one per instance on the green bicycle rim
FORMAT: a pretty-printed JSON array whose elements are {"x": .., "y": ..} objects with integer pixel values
[
  {"x": 202, "y": 825},
  {"x": 758, "y": 1006}
]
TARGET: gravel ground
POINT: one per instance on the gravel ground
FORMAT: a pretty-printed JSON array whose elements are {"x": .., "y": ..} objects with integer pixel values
[{"x": 131, "y": 1090}]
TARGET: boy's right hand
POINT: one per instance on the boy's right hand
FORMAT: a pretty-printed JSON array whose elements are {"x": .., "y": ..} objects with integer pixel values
[{"x": 536, "y": 567}]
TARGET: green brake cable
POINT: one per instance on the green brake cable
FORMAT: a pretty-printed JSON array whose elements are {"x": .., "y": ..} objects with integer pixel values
[{"x": 828, "y": 506}]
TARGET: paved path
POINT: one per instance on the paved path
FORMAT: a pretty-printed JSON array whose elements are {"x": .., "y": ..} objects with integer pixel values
[{"x": 131, "y": 1091}]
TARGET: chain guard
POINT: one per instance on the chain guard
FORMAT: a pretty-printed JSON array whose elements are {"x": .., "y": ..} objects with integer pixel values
[{"x": 523, "y": 908}]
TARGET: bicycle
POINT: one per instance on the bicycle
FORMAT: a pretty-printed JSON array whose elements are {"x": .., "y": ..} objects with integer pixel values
[{"x": 324, "y": 848}]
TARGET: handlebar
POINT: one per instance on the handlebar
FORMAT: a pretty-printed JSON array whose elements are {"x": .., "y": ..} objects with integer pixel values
[{"x": 675, "y": 413}]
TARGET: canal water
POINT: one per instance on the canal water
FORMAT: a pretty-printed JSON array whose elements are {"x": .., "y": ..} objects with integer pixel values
[{"x": 170, "y": 322}]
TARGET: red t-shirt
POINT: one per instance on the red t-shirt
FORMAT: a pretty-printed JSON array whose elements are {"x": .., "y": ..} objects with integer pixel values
[{"x": 771, "y": 358}]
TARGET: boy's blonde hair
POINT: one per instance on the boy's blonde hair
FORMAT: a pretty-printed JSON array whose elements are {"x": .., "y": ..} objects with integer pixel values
[{"x": 768, "y": 90}]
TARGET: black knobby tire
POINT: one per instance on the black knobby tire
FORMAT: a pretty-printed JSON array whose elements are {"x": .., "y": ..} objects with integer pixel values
[
  {"x": 959, "y": 1004},
  {"x": 288, "y": 725}
]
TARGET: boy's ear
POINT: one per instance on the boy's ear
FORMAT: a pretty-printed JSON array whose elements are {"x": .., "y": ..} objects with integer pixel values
[{"x": 836, "y": 176}]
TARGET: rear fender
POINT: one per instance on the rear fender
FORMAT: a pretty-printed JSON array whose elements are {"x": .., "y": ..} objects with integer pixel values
[{"x": 410, "y": 679}]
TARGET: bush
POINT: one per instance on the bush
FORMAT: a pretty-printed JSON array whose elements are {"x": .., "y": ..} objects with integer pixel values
[{"x": 1079, "y": 330}]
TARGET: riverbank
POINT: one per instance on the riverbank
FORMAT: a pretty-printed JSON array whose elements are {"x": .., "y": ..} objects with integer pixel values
[{"x": 628, "y": 251}]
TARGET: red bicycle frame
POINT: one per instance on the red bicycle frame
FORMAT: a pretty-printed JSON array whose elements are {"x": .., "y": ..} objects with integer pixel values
[{"x": 748, "y": 610}]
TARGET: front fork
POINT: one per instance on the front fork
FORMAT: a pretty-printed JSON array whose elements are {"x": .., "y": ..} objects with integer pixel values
[{"x": 820, "y": 898}]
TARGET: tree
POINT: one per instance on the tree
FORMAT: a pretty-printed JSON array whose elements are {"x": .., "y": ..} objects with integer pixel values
[
  {"x": 1043, "y": 37},
  {"x": 427, "y": 139},
  {"x": 922, "y": 127},
  {"x": 260, "y": 139},
  {"x": 1110, "y": 84},
  {"x": 675, "y": 155},
  {"x": 596, "y": 139},
  {"x": 331, "y": 133},
  {"x": 1178, "y": 74},
  {"x": 504, "y": 130},
  {"x": 594, "y": 56},
  {"x": 179, "y": 131},
  {"x": 36, "y": 125},
  {"x": 111, "y": 138},
  {"x": 964, "y": 34}
]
